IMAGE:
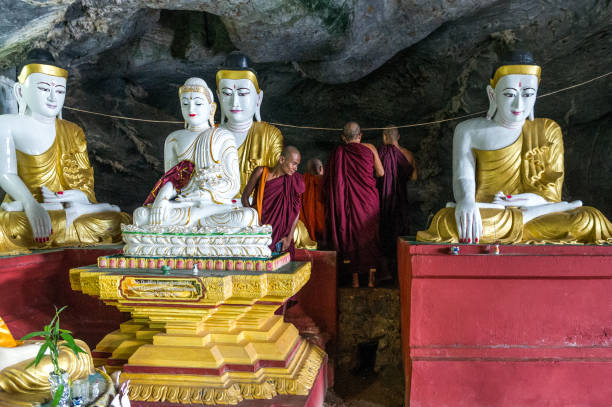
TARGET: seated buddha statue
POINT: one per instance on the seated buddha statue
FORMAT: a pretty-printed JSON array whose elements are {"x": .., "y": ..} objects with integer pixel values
[
  {"x": 202, "y": 175},
  {"x": 17, "y": 378},
  {"x": 259, "y": 143},
  {"x": 508, "y": 173},
  {"x": 45, "y": 170}
]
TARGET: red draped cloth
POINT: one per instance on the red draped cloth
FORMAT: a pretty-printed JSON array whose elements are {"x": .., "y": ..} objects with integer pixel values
[
  {"x": 353, "y": 206},
  {"x": 179, "y": 175},
  {"x": 282, "y": 199},
  {"x": 394, "y": 219},
  {"x": 313, "y": 207}
]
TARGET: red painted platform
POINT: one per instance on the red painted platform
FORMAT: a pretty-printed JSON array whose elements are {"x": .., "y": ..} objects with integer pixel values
[
  {"x": 529, "y": 327},
  {"x": 30, "y": 285}
]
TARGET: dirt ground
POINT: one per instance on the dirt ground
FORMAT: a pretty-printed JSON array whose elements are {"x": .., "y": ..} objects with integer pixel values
[{"x": 385, "y": 389}]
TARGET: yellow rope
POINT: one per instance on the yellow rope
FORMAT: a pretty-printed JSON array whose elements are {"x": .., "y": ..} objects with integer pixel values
[
  {"x": 339, "y": 129},
  {"x": 112, "y": 116}
]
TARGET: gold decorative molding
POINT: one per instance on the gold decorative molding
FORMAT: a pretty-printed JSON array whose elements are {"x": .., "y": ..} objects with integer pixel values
[
  {"x": 272, "y": 382},
  {"x": 258, "y": 391},
  {"x": 109, "y": 287},
  {"x": 101, "y": 283},
  {"x": 144, "y": 287},
  {"x": 161, "y": 393}
]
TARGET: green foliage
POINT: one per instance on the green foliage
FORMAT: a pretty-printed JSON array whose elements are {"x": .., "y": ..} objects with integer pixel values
[{"x": 52, "y": 334}]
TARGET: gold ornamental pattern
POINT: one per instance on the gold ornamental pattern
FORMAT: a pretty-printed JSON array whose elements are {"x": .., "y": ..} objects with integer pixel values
[
  {"x": 161, "y": 288},
  {"x": 161, "y": 393},
  {"x": 298, "y": 384},
  {"x": 99, "y": 282}
]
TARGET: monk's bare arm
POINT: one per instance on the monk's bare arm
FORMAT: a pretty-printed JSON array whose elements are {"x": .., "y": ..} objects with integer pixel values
[
  {"x": 410, "y": 158},
  {"x": 250, "y": 186},
  {"x": 379, "y": 171}
]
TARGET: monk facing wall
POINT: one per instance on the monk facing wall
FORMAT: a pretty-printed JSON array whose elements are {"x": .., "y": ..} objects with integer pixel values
[{"x": 354, "y": 208}]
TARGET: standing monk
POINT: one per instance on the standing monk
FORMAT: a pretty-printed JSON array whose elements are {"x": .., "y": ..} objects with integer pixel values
[
  {"x": 353, "y": 202},
  {"x": 399, "y": 166},
  {"x": 278, "y": 195},
  {"x": 313, "y": 207}
]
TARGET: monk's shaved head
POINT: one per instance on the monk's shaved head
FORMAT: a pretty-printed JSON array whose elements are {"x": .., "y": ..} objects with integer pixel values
[
  {"x": 352, "y": 131},
  {"x": 288, "y": 151},
  {"x": 314, "y": 166},
  {"x": 391, "y": 132}
]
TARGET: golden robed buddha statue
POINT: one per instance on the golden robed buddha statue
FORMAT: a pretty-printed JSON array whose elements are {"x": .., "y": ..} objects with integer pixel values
[
  {"x": 45, "y": 170},
  {"x": 18, "y": 380},
  {"x": 508, "y": 173},
  {"x": 260, "y": 144}
]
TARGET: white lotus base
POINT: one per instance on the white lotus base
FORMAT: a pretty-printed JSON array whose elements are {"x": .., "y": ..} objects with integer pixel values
[{"x": 179, "y": 241}]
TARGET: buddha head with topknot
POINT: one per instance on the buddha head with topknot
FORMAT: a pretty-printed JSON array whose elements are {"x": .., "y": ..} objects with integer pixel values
[
  {"x": 513, "y": 88},
  {"x": 238, "y": 90},
  {"x": 41, "y": 85},
  {"x": 197, "y": 104}
]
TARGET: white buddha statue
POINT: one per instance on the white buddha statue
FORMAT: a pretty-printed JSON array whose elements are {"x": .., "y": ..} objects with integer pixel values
[
  {"x": 508, "y": 173},
  {"x": 259, "y": 143},
  {"x": 205, "y": 156},
  {"x": 45, "y": 170}
]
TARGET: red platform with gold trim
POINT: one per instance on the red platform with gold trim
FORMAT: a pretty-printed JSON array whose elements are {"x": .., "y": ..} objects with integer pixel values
[
  {"x": 207, "y": 337},
  {"x": 31, "y": 284},
  {"x": 529, "y": 327}
]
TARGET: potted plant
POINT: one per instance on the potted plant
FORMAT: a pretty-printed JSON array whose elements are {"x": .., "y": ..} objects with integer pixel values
[{"x": 54, "y": 337}]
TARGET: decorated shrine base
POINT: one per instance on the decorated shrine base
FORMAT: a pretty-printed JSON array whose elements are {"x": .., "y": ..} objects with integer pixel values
[
  {"x": 120, "y": 261},
  {"x": 206, "y": 338},
  {"x": 529, "y": 327}
]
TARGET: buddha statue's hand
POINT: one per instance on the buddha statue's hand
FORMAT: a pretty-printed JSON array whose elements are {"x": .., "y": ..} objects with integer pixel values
[
  {"x": 39, "y": 219},
  {"x": 159, "y": 212},
  {"x": 68, "y": 196},
  {"x": 469, "y": 222},
  {"x": 210, "y": 177},
  {"x": 519, "y": 200}
]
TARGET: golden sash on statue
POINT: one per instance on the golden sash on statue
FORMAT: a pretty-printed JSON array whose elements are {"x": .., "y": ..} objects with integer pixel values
[
  {"x": 262, "y": 147},
  {"x": 65, "y": 165},
  {"x": 18, "y": 379},
  {"x": 533, "y": 163}
]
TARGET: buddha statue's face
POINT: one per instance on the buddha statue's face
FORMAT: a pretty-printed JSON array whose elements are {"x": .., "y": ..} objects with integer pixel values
[
  {"x": 239, "y": 99},
  {"x": 195, "y": 108},
  {"x": 44, "y": 94},
  {"x": 515, "y": 97}
]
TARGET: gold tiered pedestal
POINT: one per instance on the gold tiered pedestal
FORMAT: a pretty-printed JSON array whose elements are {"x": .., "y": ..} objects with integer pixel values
[{"x": 210, "y": 337}]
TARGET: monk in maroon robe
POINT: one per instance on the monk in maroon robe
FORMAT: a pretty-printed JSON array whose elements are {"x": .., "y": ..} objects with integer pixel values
[
  {"x": 400, "y": 167},
  {"x": 278, "y": 197},
  {"x": 353, "y": 203}
]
